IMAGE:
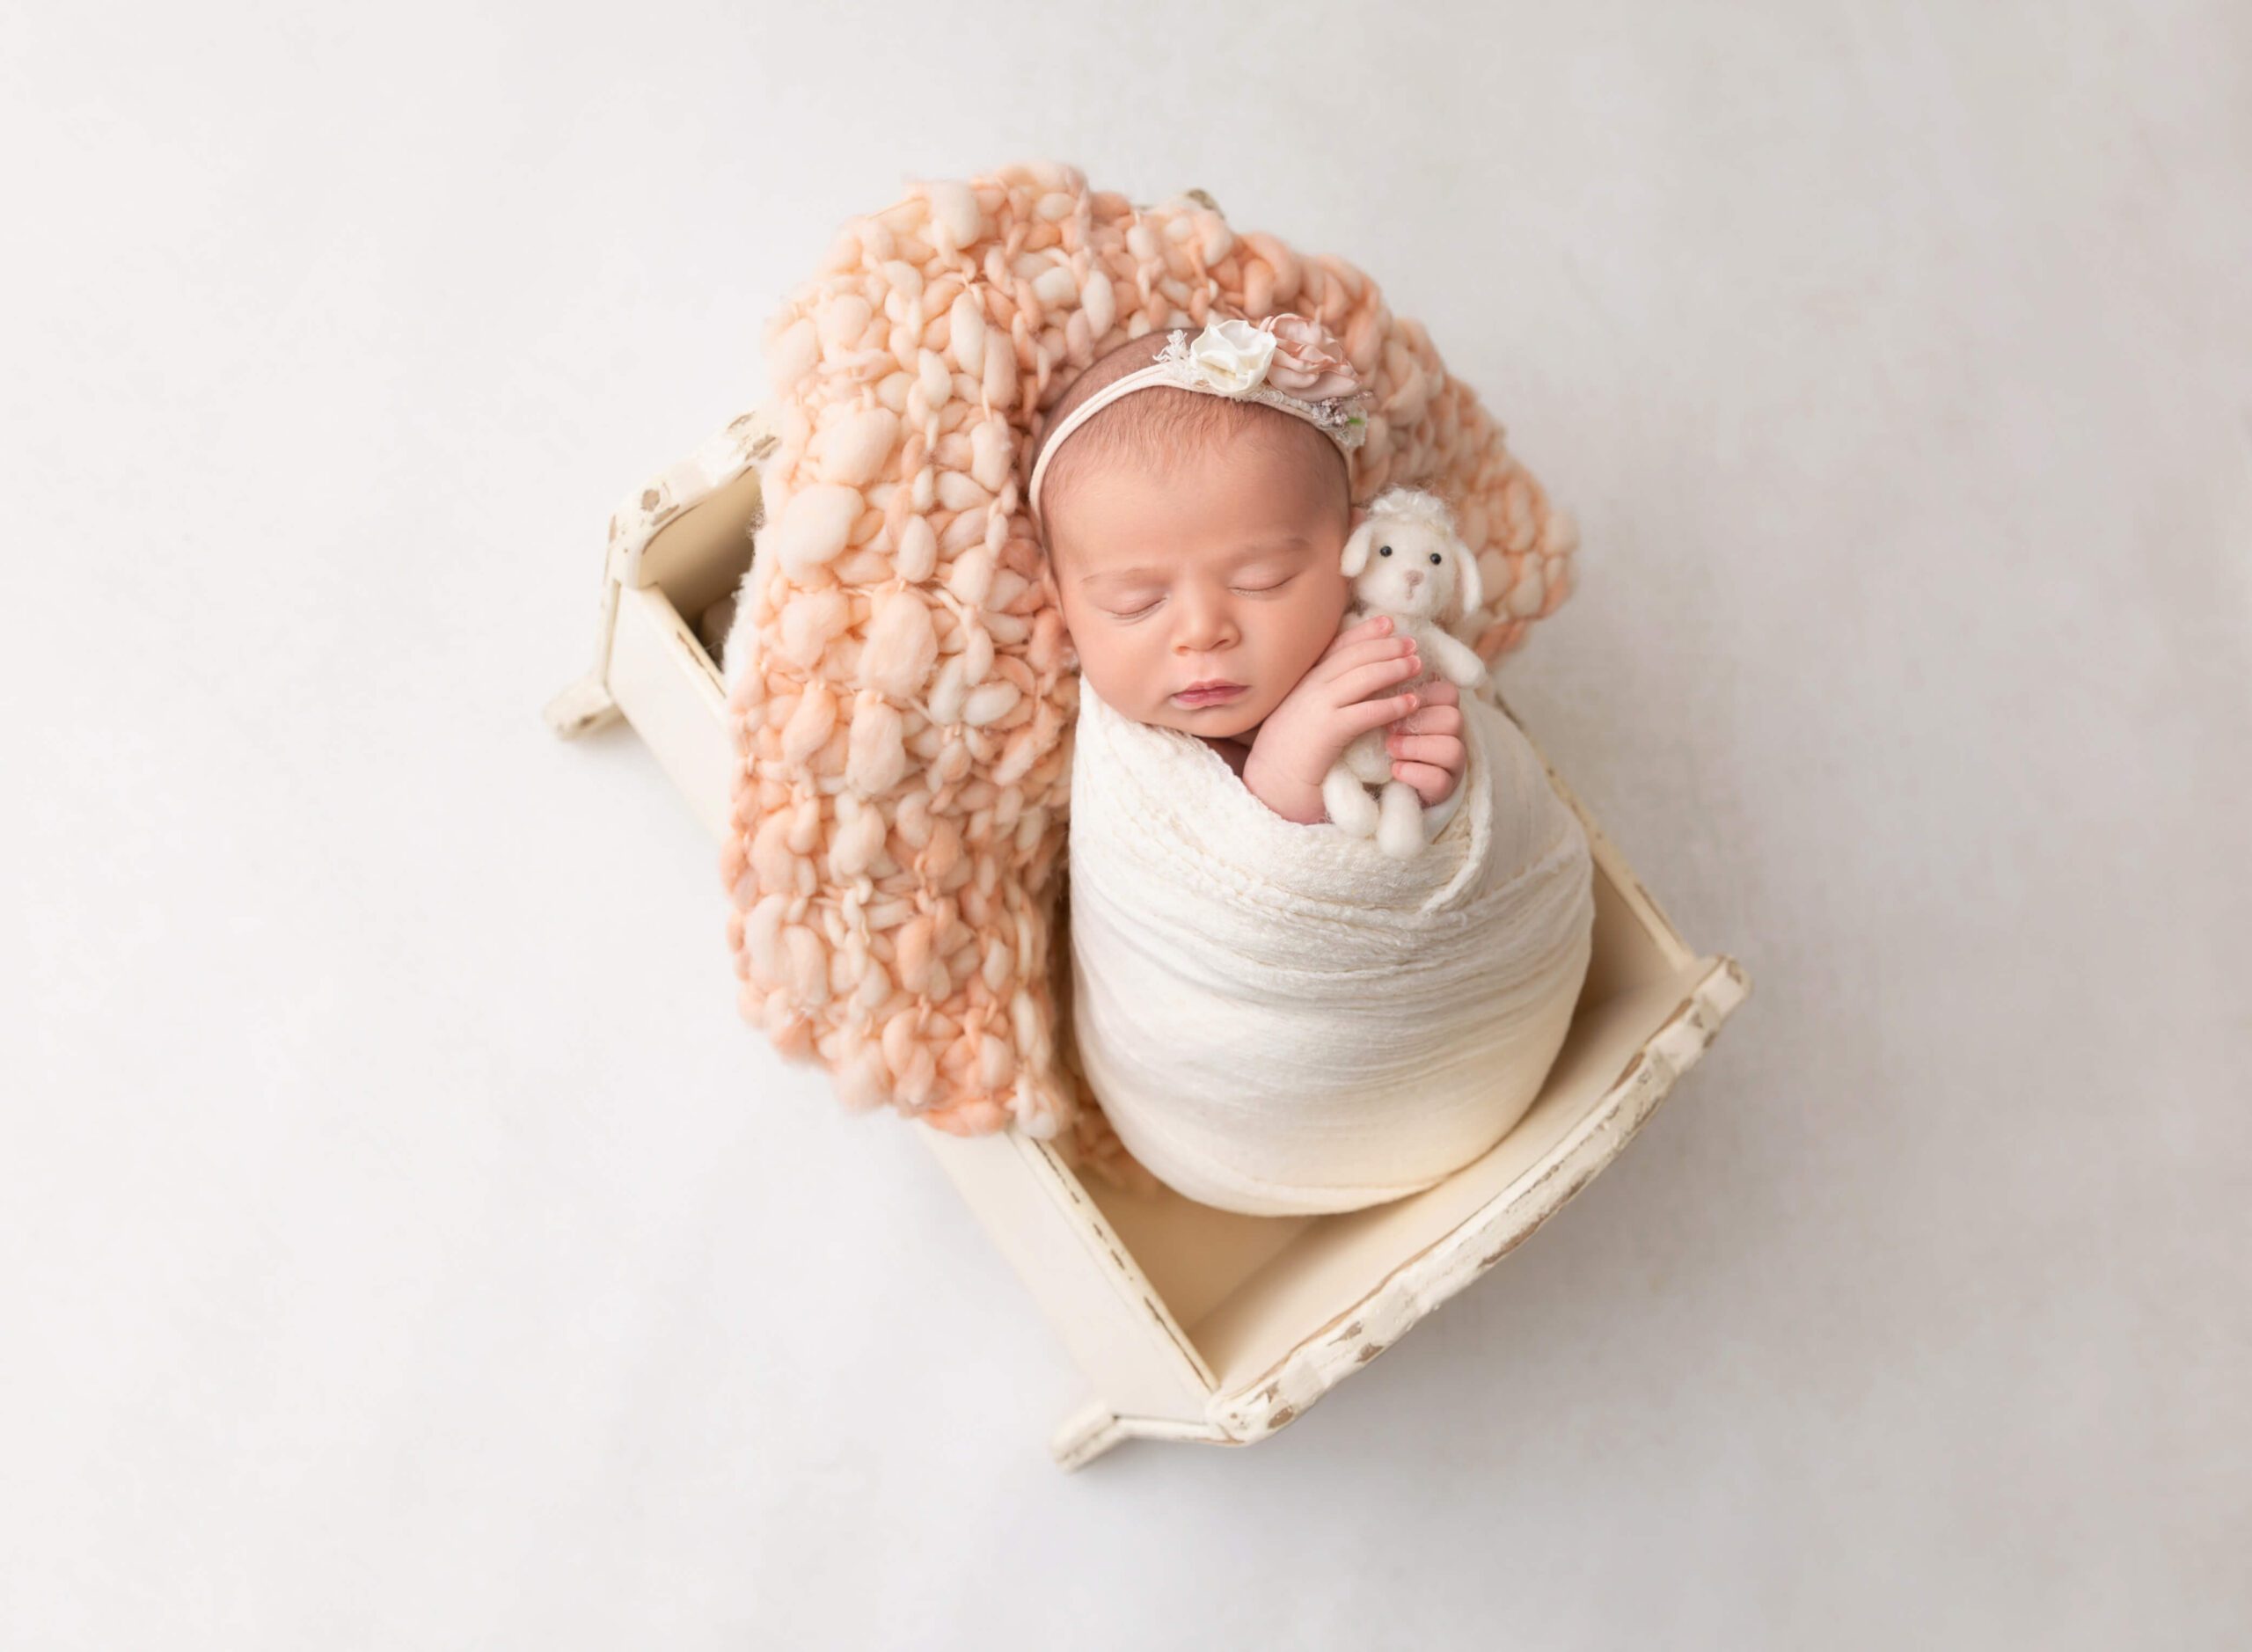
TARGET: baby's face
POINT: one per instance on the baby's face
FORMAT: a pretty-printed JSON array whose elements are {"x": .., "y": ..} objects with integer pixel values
[{"x": 1226, "y": 569}]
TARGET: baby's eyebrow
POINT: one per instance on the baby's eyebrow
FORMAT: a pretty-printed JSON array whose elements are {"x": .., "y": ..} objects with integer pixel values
[{"x": 1258, "y": 547}]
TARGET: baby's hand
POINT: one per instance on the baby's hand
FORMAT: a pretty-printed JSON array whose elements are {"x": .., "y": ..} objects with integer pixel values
[
  {"x": 1427, "y": 745},
  {"x": 1303, "y": 736}
]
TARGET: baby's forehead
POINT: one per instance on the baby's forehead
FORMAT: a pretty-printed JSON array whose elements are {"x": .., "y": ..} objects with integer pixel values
[{"x": 1233, "y": 485}]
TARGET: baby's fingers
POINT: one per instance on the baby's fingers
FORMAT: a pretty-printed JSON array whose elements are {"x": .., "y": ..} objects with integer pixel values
[
  {"x": 1363, "y": 716},
  {"x": 1374, "y": 634},
  {"x": 1431, "y": 783},
  {"x": 1445, "y": 751},
  {"x": 1433, "y": 717},
  {"x": 1359, "y": 681}
]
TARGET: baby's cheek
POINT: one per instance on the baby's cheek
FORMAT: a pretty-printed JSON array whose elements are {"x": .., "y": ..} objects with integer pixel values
[{"x": 1121, "y": 675}]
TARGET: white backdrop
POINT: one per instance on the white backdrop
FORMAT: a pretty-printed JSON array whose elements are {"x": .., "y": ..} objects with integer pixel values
[{"x": 404, "y": 1244}]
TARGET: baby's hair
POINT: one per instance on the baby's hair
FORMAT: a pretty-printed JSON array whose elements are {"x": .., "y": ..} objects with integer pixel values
[{"x": 1166, "y": 424}]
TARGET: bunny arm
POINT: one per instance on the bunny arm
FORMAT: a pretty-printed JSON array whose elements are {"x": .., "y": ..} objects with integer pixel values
[{"x": 1456, "y": 659}]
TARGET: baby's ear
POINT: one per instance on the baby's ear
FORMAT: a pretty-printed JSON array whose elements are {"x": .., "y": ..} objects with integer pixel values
[{"x": 1357, "y": 548}]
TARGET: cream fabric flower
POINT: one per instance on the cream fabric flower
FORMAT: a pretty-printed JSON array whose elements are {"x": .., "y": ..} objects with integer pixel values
[
  {"x": 1308, "y": 361},
  {"x": 1232, "y": 355}
]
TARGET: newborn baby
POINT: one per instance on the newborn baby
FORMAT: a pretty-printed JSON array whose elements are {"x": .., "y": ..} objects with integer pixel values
[
  {"x": 1196, "y": 540},
  {"x": 1278, "y": 1017}
]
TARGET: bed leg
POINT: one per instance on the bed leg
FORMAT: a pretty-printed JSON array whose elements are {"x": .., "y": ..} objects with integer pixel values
[
  {"x": 586, "y": 704},
  {"x": 1084, "y": 1435}
]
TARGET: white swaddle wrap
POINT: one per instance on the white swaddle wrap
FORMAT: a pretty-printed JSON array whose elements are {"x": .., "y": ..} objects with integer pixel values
[{"x": 1281, "y": 1019}]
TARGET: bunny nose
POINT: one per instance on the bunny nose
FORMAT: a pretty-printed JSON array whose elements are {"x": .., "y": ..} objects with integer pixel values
[{"x": 1414, "y": 579}]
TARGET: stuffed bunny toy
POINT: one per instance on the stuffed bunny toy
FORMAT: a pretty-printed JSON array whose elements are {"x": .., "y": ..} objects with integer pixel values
[{"x": 1404, "y": 560}]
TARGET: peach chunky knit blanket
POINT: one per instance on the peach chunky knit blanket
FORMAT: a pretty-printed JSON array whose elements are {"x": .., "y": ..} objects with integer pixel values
[{"x": 901, "y": 688}]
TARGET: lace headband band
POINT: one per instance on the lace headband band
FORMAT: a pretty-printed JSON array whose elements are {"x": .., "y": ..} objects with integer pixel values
[{"x": 1289, "y": 362}]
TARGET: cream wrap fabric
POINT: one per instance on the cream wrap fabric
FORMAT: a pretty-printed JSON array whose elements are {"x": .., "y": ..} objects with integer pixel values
[{"x": 1281, "y": 1019}]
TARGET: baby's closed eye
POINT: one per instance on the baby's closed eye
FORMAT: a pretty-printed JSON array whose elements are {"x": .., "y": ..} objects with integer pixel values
[{"x": 1152, "y": 604}]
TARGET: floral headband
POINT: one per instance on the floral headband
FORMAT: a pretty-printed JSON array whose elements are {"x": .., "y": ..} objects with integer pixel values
[{"x": 1288, "y": 361}]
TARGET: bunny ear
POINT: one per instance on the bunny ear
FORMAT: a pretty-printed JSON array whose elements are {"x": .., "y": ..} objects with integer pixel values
[
  {"x": 1469, "y": 584},
  {"x": 1356, "y": 550}
]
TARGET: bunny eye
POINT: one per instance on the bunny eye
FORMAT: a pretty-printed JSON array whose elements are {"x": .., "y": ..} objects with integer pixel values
[
  {"x": 1435, "y": 558},
  {"x": 1383, "y": 550}
]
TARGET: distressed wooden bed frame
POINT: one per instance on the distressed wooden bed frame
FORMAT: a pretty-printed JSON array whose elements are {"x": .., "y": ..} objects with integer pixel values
[{"x": 1189, "y": 1323}]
